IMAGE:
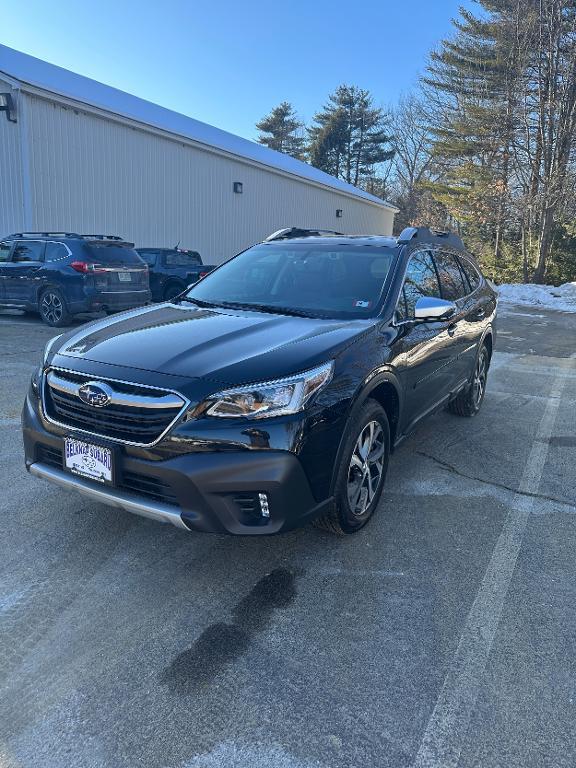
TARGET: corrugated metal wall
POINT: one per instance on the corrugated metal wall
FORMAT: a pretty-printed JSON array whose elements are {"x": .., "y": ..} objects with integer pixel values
[
  {"x": 11, "y": 190},
  {"x": 98, "y": 175}
]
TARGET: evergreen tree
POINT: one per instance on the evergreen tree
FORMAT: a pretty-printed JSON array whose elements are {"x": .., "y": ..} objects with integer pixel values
[
  {"x": 283, "y": 131},
  {"x": 503, "y": 96},
  {"x": 349, "y": 138}
]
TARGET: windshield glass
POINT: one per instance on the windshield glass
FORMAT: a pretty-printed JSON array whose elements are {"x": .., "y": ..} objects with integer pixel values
[{"x": 335, "y": 281}]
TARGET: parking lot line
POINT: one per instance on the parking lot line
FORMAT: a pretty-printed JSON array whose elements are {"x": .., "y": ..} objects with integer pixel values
[{"x": 446, "y": 730}]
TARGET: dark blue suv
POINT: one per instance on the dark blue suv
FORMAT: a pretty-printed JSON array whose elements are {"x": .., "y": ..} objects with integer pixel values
[{"x": 61, "y": 274}]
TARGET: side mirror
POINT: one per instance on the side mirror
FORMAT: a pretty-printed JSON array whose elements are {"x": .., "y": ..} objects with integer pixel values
[{"x": 431, "y": 308}]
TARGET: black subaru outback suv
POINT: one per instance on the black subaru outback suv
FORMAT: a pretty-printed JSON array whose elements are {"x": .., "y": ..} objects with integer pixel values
[
  {"x": 61, "y": 274},
  {"x": 274, "y": 390}
]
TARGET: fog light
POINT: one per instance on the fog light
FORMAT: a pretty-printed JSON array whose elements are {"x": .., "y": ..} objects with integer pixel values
[{"x": 264, "y": 508}]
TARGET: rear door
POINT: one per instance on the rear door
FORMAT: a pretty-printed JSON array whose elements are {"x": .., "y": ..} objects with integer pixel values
[
  {"x": 5, "y": 248},
  {"x": 424, "y": 352},
  {"x": 455, "y": 288},
  {"x": 23, "y": 272}
]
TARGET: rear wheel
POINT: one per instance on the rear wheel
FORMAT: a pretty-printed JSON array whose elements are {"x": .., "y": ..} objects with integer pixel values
[
  {"x": 361, "y": 472},
  {"x": 172, "y": 290},
  {"x": 53, "y": 309},
  {"x": 468, "y": 402}
]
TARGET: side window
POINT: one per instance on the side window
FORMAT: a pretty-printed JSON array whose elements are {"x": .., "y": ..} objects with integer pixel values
[
  {"x": 150, "y": 257},
  {"x": 471, "y": 273},
  {"x": 32, "y": 251},
  {"x": 421, "y": 280},
  {"x": 55, "y": 252},
  {"x": 451, "y": 279},
  {"x": 182, "y": 259},
  {"x": 5, "y": 251}
]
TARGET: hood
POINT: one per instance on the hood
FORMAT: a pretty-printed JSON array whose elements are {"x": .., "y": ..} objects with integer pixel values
[{"x": 227, "y": 346}]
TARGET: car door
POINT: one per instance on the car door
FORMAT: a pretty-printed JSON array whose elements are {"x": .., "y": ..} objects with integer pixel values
[
  {"x": 23, "y": 272},
  {"x": 454, "y": 288},
  {"x": 477, "y": 308},
  {"x": 5, "y": 248},
  {"x": 424, "y": 352}
]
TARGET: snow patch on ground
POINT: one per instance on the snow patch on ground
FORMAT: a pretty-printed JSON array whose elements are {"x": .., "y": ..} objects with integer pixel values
[{"x": 562, "y": 298}]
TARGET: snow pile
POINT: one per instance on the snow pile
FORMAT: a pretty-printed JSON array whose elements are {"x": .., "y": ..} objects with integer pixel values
[{"x": 562, "y": 298}]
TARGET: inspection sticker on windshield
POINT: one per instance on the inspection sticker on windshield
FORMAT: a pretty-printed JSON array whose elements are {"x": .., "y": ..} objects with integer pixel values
[
  {"x": 91, "y": 461},
  {"x": 362, "y": 304}
]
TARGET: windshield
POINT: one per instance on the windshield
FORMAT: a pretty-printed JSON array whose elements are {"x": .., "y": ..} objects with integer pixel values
[{"x": 335, "y": 281}]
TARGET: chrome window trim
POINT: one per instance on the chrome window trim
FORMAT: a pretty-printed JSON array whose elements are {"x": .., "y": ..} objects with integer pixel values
[
  {"x": 89, "y": 377},
  {"x": 62, "y": 258}
]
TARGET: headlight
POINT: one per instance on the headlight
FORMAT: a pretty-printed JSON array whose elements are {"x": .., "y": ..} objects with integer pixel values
[
  {"x": 48, "y": 347},
  {"x": 270, "y": 398}
]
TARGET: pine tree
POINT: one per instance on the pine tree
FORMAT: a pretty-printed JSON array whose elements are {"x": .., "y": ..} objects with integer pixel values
[
  {"x": 283, "y": 131},
  {"x": 349, "y": 138},
  {"x": 503, "y": 93}
]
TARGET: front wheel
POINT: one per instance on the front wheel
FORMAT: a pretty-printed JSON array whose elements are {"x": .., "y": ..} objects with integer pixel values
[
  {"x": 53, "y": 309},
  {"x": 469, "y": 400},
  {"x": 361, "y": 472}
]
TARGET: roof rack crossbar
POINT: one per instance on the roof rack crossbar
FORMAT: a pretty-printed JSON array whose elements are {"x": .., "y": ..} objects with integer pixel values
[
  {"x": 429, "y": 233},
  {"x": 44, "y": 234},
  {"x": 290, "y": 232},
  {"x": 102, "y": 237}
]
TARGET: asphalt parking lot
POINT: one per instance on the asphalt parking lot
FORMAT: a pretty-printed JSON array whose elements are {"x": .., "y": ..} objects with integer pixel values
[{"x": 444, "y": 634}]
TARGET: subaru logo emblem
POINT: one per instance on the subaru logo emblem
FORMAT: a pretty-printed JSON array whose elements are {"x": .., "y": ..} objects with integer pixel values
[{"x": 95, "y": 393}]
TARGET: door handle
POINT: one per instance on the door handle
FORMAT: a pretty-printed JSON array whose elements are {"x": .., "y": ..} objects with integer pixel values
[{"x": 452, "y": 329}]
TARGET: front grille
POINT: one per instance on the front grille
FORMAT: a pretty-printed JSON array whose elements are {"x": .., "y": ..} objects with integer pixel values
[
  {"x": 132, "y": 482},
  {"x": 135, "y": 414}
]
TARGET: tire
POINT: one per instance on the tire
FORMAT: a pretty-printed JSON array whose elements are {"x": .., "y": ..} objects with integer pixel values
[
  {"x": 469, "y": 400},
  {"x": 353, "y": 506},
  {"x": 173, "y": 289},
  {"x": 53, "y": 309}
]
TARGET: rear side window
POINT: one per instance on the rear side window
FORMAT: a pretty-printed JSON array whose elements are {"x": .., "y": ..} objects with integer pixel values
[
  {"x": 150, "y": 257},
  {"x": 421, "y": 280},
  {"x": 183, "y": 259},
  {"x": 55, "y": 252},
  {"x": 471, "y": 273},
  {"x": 32, "y": 251},
  {"x": 451, "y": 278},
  {"x": 113, "y": 254},
  {"x": 5, "y": 251}
]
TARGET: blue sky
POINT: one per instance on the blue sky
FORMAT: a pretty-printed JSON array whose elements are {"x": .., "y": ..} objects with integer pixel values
[{"x": 228, "y": 63}]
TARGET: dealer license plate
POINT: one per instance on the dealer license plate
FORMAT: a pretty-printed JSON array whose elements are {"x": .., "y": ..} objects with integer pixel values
[
  {"x": 124, "y": 277},
  {"x": 87, "y": 460}
]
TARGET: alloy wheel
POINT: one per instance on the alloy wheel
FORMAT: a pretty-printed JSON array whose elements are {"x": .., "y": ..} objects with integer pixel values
[
  {"x": 366, "y": 467},
  {"x": 51, "y": 307},
  {"x": 479, "y": 381}
]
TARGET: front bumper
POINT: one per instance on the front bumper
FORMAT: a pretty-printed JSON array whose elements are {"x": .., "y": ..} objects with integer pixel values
[{"x": 217, "y": 492}]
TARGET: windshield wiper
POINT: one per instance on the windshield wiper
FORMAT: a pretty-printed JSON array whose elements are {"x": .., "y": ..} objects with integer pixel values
[
  {"x": 198, "y": 302},
  {"x": 269, "y": 308}
]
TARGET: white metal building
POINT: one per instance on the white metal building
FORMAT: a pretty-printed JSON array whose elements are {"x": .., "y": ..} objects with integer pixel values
[{"x": 80, "y": 156}]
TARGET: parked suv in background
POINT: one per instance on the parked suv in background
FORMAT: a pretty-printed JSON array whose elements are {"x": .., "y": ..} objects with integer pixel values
[
  {"x": 172, "y": 270},
  {"x": 61, "y": 274},
  {"x": 274, "y": 390}
]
